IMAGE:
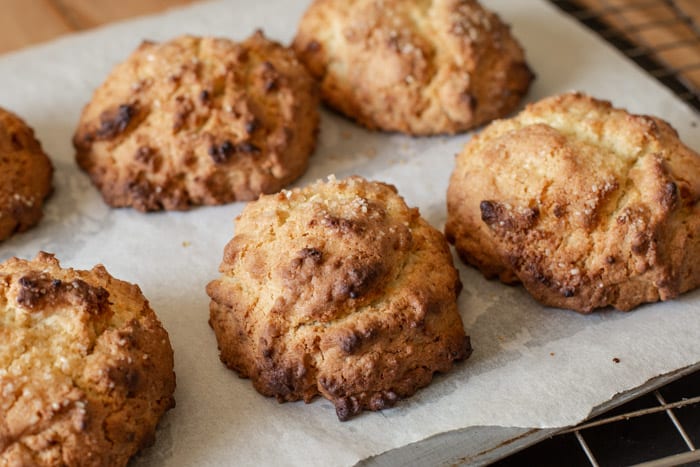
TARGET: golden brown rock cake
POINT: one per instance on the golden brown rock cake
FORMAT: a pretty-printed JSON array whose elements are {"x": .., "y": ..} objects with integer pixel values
[
  {"x": 25, "y": 176},
  {"x": 416, "y": 66},
  {"x": 585, "y": 204},
  {"x": 340, "y": 290},
  {"x": 197, "y": 121},
  {"x": 86, "y": 369}
]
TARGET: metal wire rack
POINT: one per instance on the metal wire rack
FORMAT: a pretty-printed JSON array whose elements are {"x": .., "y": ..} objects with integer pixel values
[
  {"x": 662, "y": 36},
  {"x": 661, "y": 428}
]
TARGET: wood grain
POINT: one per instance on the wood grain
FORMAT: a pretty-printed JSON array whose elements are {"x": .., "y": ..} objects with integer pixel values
[
  {"x": 85, "y": 14},
  {"x": 27, "y": 22}
]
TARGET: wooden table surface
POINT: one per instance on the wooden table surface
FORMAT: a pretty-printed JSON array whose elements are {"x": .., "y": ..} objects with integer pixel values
[
  {"x": 27, "y": 22},
  {"x": 650, "y": 23}
]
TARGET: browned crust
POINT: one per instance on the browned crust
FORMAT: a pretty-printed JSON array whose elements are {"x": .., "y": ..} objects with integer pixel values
[
  {"x": 418, "y": 67},
  {"x": 339, "y": 290},
  {"x": 86, "y": 368},
  {"x": 25, "y": 176},
  {"x": 199, "y": 121},
  {"x": 586, "y": 204}
]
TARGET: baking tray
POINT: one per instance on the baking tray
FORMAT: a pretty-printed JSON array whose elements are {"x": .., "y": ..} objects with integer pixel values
[{"x": 173, "y": 255}]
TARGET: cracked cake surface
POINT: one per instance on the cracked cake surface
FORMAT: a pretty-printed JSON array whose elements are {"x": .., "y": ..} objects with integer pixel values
[
  {"x": 86, "y": 368},
  {"x": 337, "y": 289},
  {"x": 586, "y": 204},
  {"x": 199, "y": 121},
  {"x": 415, "y": 66}
]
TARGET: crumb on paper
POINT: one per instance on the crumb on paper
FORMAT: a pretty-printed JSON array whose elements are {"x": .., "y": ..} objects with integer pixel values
[
  {"x": 371, "y": 152},
  {"x": 616, "y": 360},
  {"x": 346, "y": 134},
  {"x": 551, "y": 354},
  {"x": 186, "y": 243}
]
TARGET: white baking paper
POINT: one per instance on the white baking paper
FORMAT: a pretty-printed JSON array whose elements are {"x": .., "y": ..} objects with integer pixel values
[{"x": 532, "y": 366}]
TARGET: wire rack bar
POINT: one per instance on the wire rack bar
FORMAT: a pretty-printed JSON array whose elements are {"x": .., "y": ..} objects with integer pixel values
[
  {"x": 670, "y": 461},
  {"x": 676, "y": 423},
  {"x": 586, "y": 14},
  {"x": 634, "y": 414},
  {"x": 586, "y": 449},
  {"x": 646, "y": 50}
]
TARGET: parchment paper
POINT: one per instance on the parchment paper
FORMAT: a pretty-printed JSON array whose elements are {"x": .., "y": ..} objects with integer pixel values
[{"x": 532, "y": 366}]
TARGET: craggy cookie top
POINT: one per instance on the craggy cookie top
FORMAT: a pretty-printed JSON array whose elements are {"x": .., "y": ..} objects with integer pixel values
[
  {"x": 414, "y": 66},
  {"x": 584, "y": 203},
  {"x": 86, "y": 369},
  {"x": 199, "y": 121},
  {"x": 25, "y": 176},
  {"x": 337, "y": 289}
]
